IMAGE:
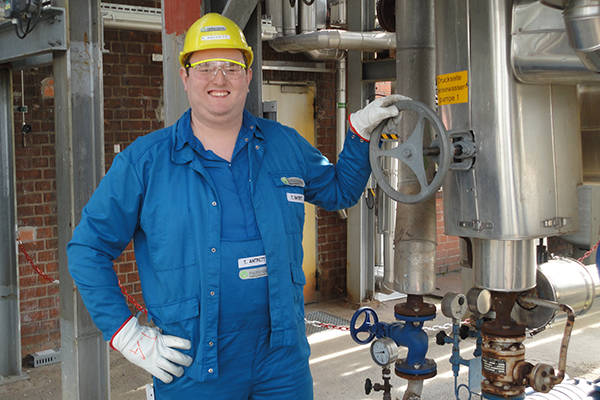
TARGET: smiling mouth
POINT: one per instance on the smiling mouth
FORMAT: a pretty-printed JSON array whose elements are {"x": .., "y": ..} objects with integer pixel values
[{"x": 215, "y": 93}]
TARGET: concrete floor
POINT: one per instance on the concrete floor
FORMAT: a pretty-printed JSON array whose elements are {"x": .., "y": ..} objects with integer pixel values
[{"x": 340, "y": 366}]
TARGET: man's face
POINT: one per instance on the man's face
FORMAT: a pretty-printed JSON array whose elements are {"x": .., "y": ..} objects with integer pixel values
[{"x": 218, "y": 97}]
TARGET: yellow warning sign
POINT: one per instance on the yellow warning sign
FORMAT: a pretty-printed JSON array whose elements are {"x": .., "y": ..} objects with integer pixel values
[{"x": 453, "y": 88}]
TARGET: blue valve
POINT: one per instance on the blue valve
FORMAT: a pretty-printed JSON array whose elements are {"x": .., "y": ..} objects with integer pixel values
[
  {"x": 371, "y": 327},
  {"x": 408, "y": 333}
]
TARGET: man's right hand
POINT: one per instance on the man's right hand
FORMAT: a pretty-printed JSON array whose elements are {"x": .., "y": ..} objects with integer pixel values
[{"x": 146, "y": 347}]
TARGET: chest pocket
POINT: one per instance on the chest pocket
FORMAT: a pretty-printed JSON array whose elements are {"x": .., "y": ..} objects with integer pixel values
[
  {"x": 290, "y": 193},
  {"x": 168, "y": 231}
]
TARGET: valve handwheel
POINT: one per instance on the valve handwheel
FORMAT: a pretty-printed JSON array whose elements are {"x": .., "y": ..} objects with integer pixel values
[
  {"x": 411, "y": 153},
  {"x": 365, "y": 326}
]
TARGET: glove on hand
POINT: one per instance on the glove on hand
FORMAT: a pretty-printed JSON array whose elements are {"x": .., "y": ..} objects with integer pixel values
[
  {"x": 147, "y": 348},
  {"x": 364, "y": 121}
]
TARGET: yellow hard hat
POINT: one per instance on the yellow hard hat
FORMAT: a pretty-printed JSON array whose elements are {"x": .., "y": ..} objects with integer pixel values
[{"x": 214, "y": 31}]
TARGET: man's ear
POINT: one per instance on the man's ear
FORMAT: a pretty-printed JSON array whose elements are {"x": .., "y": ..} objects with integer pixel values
[
  {"x": 184, "y": 77},
  {"x": 248, "y": 78}
]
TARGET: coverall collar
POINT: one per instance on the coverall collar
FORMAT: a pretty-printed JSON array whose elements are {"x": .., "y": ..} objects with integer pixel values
[{"x": 184, "y": 135}]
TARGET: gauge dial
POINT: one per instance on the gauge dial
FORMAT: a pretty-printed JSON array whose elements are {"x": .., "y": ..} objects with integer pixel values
[{"x": 384, "y": 351}]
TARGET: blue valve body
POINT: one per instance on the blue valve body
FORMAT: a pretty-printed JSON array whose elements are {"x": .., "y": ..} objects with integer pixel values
[{"x": 407, "y": 333}]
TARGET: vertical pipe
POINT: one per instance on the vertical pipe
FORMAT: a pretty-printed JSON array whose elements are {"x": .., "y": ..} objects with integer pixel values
[
  {"x": 290, "y": 17},
  {"x": 415, "y": 236},
  {"x": 274, "y": 8},
  {"x": 308, "y": 17},
  {"x": 341, "y": 104}
]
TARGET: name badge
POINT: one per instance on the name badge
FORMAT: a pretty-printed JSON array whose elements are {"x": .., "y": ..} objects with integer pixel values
[
  {"x": 295, "y": 197},
  {"x": 252, "y": 261}
]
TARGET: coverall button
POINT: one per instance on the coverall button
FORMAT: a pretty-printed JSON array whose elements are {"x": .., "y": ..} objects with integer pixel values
[
  {"x": 257, "y": 147},
  {"x": 210, "y": 344},
  {"x": 214, "y": 203},
  {"x": 210, "y": 370},
  {"x": 213, "y": 250},
  {"x": 246, "y": 139},
  {"x": 212, "y": 293}
]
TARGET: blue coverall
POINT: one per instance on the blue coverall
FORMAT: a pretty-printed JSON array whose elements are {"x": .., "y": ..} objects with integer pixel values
[{"x": 203, "y": 234}]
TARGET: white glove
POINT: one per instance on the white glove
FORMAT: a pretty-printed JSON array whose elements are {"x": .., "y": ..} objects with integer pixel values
[
  {"x": 146, "y": 347},
  {"x": 364, "y": 121}
]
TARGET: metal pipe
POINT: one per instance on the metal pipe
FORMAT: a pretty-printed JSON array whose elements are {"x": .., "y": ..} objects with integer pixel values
[
  {"x": 561, "y": 280},
  {"x": 274, "y": 8},
  {"x": 386, "y": 223},
  {"x": 413, "y": 390},
  {"x": 415, "y": 235},
  {"x": 582, "y": 21},
  {"x": 308, "y": 17},
  {"x": 335, "y": 39},
  {"x": 342, "y": 104},
  {"x": 541, "y": 53},
  {"x": 504, "y": 265},
  {"x": 290, "y": 18},
  {"x": 564, "y": 345}
]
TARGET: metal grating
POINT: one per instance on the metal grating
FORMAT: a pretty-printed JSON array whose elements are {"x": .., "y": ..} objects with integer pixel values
[{"x": 324, "y": 317}]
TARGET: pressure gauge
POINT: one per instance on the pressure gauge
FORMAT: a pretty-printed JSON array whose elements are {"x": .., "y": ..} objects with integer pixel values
[{"x": 384, "y": 351}]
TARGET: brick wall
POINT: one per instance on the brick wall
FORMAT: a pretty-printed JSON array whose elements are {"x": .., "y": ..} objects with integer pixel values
[
  {"x": 447, "y": 254},
  {"x": 132, "y": 107},
  {"x": 35, "y": 170}
]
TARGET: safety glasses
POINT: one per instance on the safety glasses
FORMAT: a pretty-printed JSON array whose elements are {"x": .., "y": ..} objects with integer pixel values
[{"x": 207, "y": 69}]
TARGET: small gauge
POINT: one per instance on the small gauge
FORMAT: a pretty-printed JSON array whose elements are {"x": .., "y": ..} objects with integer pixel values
[{"x": 384, "y": 351}]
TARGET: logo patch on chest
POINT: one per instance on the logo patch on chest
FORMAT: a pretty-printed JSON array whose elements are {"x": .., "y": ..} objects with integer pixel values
[{"x": 253, "y": 273}]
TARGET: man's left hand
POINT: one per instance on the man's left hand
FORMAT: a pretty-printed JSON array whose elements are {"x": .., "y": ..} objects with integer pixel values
[{"x": 364, "y": 121}]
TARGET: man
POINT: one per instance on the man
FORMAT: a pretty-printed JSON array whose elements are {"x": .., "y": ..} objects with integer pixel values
[{"x": 214, "y": 205}]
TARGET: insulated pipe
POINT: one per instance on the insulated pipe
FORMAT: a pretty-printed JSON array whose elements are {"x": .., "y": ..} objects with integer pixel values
[
  {"x": 274, "y": 8},
  {"x": 416, "y": 234},
  {"x": 308, "y": 17},
  {"x": 386, "y": 225},
  {"x": 290, "y": 18},
  {"x": 582, "y": 22},
  {"x": 335, "y": 39}
]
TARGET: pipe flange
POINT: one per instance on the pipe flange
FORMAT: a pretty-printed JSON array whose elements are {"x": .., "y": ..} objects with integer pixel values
[
  {"x": 493, "y": 331},
  {"x": 416, "y": 372},
  {"x": 542, "y": 378},
  {"x": 502, "y": 389},
  {"x": 411, "y": 310}
]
